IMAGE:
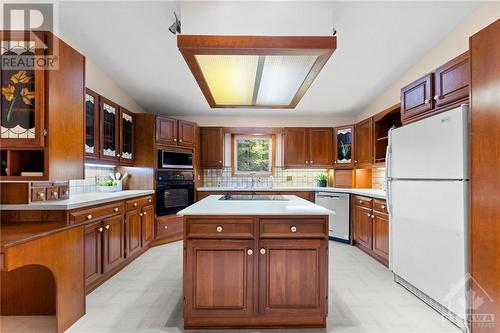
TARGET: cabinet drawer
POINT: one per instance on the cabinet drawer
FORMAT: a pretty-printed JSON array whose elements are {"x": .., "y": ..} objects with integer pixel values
[
  {"x": 362, "y": 201},
  {"x": 96, "y": 213},
  {"x": 293, "y": 228},
  {"x": 139, "y": 202},
  {"x": 38, "y": 194},
  {"x": 380, "y": 205},
  {"x": 167, "y": 226},
  {"x": 219, "y": 228}
]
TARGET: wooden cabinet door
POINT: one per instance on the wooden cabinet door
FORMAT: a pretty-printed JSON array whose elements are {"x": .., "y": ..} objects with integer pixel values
[
  {"x": 295, "y": 147},
  {"x": 109, "y": 133},
  {"x": 212, "y": 147},
  {"x": 91, "y": 124},
  {"x": 364, "y": 142},
  {"x": 451, "y": 81},
  {"x": 126, "y": 136},
  {"x": 220, "y": 275},
  {"x": 114, "y": 250},
  {"x": 416, "y": 98},
  {"x": 166, "y": 131},
  {"x": 320, "y": 147},
  {"x": 293, "y": 276},
  {"x": 93, "y": 252},
  {"x": 148, "y": 220},
  {"x": 133, "y": 232},
  {"x": 381, "y": 236},
  {"x": 186, "y": 133},
  {"x": 362, "y": 226},
  {"x": 343, "y": 147}
]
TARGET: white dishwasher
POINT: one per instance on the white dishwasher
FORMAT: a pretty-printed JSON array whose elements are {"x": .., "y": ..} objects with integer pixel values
[{"x": 339, "y": 223}]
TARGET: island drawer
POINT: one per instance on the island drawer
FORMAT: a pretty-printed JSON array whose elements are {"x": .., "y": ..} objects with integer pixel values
[
  {"x": 220, "y": 228},
  {"x": 293, "y": 228},
  {"x": 139, "y": 202},
  {"x": 380, "y": 205},
  {"x": 362, "y": 201},
  {"x": 96, "y": 213}
]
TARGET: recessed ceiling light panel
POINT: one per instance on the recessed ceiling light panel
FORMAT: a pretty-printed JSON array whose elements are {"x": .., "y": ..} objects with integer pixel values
[{"x": 255, "y": 71}]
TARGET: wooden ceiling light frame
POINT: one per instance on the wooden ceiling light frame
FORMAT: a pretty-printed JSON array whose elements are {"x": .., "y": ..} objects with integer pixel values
[{"x": 320, "y": 46}]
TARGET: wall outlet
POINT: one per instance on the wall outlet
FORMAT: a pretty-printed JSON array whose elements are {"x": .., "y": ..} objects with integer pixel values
[{"x": 289, "y": 178}]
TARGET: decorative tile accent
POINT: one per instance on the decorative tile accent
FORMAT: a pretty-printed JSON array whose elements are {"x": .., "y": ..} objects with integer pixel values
[{"x": 93, "y": 176}]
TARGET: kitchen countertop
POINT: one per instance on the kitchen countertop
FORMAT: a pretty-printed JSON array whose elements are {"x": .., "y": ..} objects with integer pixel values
[
  {"x": 369, "y": 192},
  {"x": 211, "y": 205},
  {"x": 79, "y": 200}
]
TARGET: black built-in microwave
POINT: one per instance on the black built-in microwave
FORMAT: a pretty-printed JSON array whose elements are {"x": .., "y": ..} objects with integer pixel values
[{"x": 173, "y": 159}]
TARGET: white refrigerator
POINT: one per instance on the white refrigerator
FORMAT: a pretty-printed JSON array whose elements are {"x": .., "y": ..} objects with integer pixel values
[{"x": 427, "y": 194}]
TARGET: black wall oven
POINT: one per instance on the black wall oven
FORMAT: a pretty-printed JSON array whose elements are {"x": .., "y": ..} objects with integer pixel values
[{"x": 174, "y": 191}]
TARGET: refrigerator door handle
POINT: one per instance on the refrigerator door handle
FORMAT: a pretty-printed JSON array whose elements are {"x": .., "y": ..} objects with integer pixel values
[{"x": 388, "y": 156}]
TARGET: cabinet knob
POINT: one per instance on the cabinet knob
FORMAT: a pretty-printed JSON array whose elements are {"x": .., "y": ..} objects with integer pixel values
[
  {"x": 89, "y": 217},
  {"x": 220, "y": 162},
  {"x": 219, "y": 228},
  {"x": 368, "y": 214},
  {"x": 54, "y": 193},
  {"x": 250, "y": 252},
  {"x": 355, "y": 161},
  {"x": 262, "y": 251},
  {"x": 427, "y": 101},
  {"x": 149, "y": 200},
  {"x": 165, "y": 227},
  {"x": 106, "y": 227},
  {"x": 135, "y": 204},
  {"x": 117, "y": 155},
  {"x": 307, "y": 162},
  {"x": 373, "y": 216},
  {"x": 140, "y": 214},
  {"x": 335, "y": 162},
  {"x": 41, "y": 194},
  {"x": 180, "y": 140},
  {"x": 116, "y": 209},
  {"x": 175, "y": 140},
  {"x": 436, "y": 97},
  {"x": 293, "y": 228},
  {"x": 144, "y": 213},
  {"x": 383, "y": 206},
  {"x": 360, "y": 201},
  {"x": 100, "y": 229},
  {"x": 312, "y": 162}
]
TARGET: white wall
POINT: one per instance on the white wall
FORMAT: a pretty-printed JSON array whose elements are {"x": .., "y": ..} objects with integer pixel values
[{"x": 451, "y": 46}]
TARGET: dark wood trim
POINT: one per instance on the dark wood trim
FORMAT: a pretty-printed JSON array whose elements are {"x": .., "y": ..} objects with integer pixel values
[{"x": 253, "y": 130}]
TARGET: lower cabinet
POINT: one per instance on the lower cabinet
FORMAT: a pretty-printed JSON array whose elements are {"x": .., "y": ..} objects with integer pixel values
[
  {"x": 93, "y": 252},
  {"x": 133, "y": 239},
  {"x": 255, "y": 271},
  {"x": 370, "y": 227},
  {"x": 114, "y": 238},
  {"x": 168, "y": 228},
  {"x": 147, "y": 225}
]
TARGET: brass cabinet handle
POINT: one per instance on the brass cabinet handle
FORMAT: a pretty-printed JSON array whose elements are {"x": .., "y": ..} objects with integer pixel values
[
  {"x": 54, "y": 193},
  {"x": 180, "y": 140},
  {"x": 250, "y": 252},
  {"x": 436, "y": 97},
  {"x": 41, "y": 194},
  {"x": 89, "y": 217},
  {"x": 220, "y": 162},
  {"x": 100, "y": 229},
  {"x": 219, "y": 228},
  {"x": 106, "y": 227},
  {"x": 117, "y": 155},
  {"x": 149, "y": 200},
  {"x": 293, "y": 228},
  {"x": 140, "y": 214},
  {"x": 373, "y": 216},
  {"x": 175, "y": 140},
  {"x": 307, "y": 162},
  {"x": 262, "y": 251},
  {"x": 368, "y": 214},
  {"x": 135, "y": 204},
  {"x": 165, "y": 227},
  {"x": 311, "y": 162},
  {"x": 360, "y": 201},
  {"x": 144, "y": 213},
  {"x": 383, "y": 206},
  {"x": 426, "y": 101},
  {"x": 116, "y": 209}
]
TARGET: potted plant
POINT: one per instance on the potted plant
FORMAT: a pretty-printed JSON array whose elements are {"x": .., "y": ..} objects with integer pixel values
[
  {"x": 108, "y": 186},
  {"x": 322, "y": 179}
]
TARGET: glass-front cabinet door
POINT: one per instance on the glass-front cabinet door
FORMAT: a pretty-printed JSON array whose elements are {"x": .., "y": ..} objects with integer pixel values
[
  {"x": 343, "y": 147},
  {"x": 110, "y": 122},
  {"x": 126, "y": 136},
  {"x": 22, "y": 87},
  {"x": 91, "y": 124}
]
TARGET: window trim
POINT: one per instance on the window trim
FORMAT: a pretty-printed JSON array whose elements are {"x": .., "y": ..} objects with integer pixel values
[{"x": 236, "y": 173}]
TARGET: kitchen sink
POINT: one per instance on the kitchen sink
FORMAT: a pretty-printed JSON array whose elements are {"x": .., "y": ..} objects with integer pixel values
[{"x": 256, "y": 197}]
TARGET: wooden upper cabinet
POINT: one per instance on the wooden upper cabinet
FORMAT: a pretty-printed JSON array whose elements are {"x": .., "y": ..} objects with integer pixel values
[
  {"x": 295, "y": 147},
  {"x": 126, "y": 152},
  {"x": 451, "y": 81},
  {"x": 212, "y": 147},
  {"x": 417, "y": 97},
  {"x": 166, "y": 131},
  {"x": 110, "y": 130},
  {"x": 292, "y": 277},
  {"x": 343, "y": 147},
  {"x": 186, "y": 133},
  {"x": 91, "y": 124},
  {"x": 320, "y": 147},
  {"x": 364, "y": 143}
]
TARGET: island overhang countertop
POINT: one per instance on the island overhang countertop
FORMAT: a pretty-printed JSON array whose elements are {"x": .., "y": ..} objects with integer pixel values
[{"x": 292, "y": 205}]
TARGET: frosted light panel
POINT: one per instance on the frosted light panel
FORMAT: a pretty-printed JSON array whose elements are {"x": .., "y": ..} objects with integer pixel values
[
  {"x": 282, "y": 77},
  {"x": 230, "y": 78}
]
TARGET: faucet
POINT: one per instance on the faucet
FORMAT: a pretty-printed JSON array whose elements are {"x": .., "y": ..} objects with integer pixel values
[{"x": 253, "y": 180}]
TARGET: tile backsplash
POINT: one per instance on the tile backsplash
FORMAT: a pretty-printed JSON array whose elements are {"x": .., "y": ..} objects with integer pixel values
[
  {"x": 93, "y": 175},
  {"x": 378, "y": 178},
  {"x": 282, "y": 178}
]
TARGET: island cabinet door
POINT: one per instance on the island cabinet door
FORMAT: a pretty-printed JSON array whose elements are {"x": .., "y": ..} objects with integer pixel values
[
  {"x": 218, "y": 278},
  {"x": 293, "y": 277}
]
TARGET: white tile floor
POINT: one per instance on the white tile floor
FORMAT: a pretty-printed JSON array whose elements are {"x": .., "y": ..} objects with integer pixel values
[{"x": 146, "y": 297}]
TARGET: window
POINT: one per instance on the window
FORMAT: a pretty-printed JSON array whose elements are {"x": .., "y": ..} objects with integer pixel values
[{"x": 253, "y": 154}]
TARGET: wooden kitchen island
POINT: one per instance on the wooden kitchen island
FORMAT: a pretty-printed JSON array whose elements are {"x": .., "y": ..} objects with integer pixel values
[{"x": 255, "y": 263}]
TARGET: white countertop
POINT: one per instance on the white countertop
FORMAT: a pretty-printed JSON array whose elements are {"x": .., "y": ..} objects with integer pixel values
[
  {"x": 369, "y": 192},
  {"x": 79, "y": 200},
  {"x": 211, "y": 205}
]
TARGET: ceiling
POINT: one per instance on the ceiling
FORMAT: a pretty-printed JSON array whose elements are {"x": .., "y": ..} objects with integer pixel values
[{"x": 376, "y": 43}]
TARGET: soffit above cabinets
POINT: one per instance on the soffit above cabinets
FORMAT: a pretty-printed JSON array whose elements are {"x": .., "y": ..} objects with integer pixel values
[{"x": 255, "y": 71}]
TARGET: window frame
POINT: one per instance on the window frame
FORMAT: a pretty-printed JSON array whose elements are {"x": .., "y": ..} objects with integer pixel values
[{"x": 234, "y": 155}]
